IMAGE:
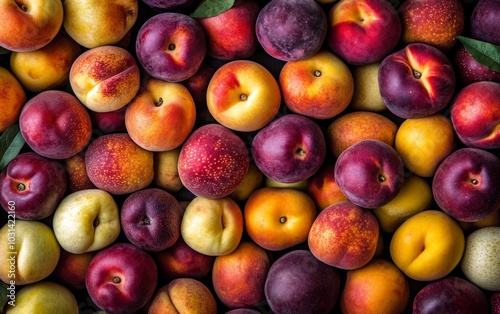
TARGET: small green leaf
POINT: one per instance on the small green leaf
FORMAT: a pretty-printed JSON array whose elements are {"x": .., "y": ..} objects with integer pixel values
[
  {"x": 211, "y": 8},
  {"x": 11, "y": 143},
  {"x": 3, "y": 295},
  {"x": 485, "y": 53}
]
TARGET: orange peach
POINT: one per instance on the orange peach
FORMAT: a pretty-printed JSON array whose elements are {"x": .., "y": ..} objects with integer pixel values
[
  {"x": 243, "y": 96},
  {"x": 319, "y": 87},
  {"x": 117, "y": 165},
  {"x": 76, "y": 171},
  {"x": 344, "y": 236},
  {"x": 356, "y": 126},
  {"x": 183, "y": 295},
  {"x": 377, "y": 287},
  {"x": 47, "y": 67},
  {"x": 239, "y": 277},
  {"x": 30, "y": 24},
  {"x": 162, "y": 115},
  {"x": 71, "y": 268},
  {"x": 105, "y": 78},
  {"x": 323, "y": 188},
  {"x": 94, "y": 23},
  {"x": 12, "y": 99},
  {"x": 278, "y": 218}
]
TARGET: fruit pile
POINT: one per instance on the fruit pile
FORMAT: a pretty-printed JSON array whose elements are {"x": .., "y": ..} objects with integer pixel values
[{"x": 250, "y": 156}]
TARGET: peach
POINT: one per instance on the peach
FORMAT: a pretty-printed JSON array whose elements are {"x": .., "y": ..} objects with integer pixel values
[
  {"x": 48, "y": 67},
  {"x": 231, "y": 34},
  {"x": 353, "y": 127},
  {"x": 109, "y": 121},
  {"x": 71, "y": 269},
  {"x": 157, "y": 105},
  {"x": 433, "y": 22},
  {"x": 117, "y": 165},
  {"x": 377, "y": 287},
  {"x": 166, "y": 171},
  {"x": 197, "y": 84},
  {"x": 278, "y": 218},
  {"x": 12, "y": 99},
  {"x": 323, "y": 188},
  {"x": 243, "y": 95},
  {"x": 344, "y": 236},
  {"x": 30, "y": 24},
  {"x": 427, "y": 246},
  {"x": 94, "y": 23},
  {"x": 183, "y": 295},
  {"x": 252, "y": 181},
  {"x": 424, "y": 142},
  {"x": 55, "y": 124},
  {"x": 366, "y": 95},
  {"x": 319, "y": 87},
  {"x": 76, "y": 171},
  {"x": 105, "y": 78},
  {"x": 239, "y": 277},
  {"x": 475, "y": 114}
]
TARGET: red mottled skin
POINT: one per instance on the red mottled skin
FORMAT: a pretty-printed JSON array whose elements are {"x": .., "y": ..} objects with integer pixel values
[
  {"x": 213, "y": 161},
  {"x": 469, "y": 71},
  {"x": 323, "y": 188},
  {"x": 55, "y": 124},
  {"x": 432, "y": 22},
  {"x": 495, "y": 303},
  {"x": 466, "y": 185},
  {"x": 171, "y": 46},
  {"x": 121, "y": 278},
  {"x": 180, "y": 260},
  {"x": 475, "y": 115},
  {"x": 117, "y": 165},
  {"x": 450, "y": 295},
  {"x": 344, "y": 235},
  {"x": 416, "y": 81},
  {"x": 374, "y": 24},
  {"x": 76, "y": 172},
  {"x": 71, "y": 268},
  {"x": 231, "y": 34},
  {"x": 34, "y": 183},
  {"x": 239, "y": 276},
  {"x": 369, "y": 173}
]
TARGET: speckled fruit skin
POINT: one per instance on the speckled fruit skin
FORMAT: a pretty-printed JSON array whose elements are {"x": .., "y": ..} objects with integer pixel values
[
  {"x": 495, "y": 303},
  {"x": 76, "y": 173},
  {"x": 121, "y": 278},
  {"x": 468, "y": 70},
  {"x": 183, "y": 39},
  {"x": 433, "y": 22},
  {"x": 449, "y": 296},
  {"x": 416, "y": 81},
  {"x": 55, "y": 124},
  {"x": 213, "y": 161},
  {"x": 374, "y": 24},
  {"x": 369, "y": 173},
  {"x": 291, "y": 29},
  {"x": 466, "y": 184},
  {"x": 299, "y": 283},
  {"x": 344, "y": 236},
  {"x": 105, "y": 78},
  {"x": 484, "y": 21},
  {"x": 117, "y": 165},
  {"x": 480, "y": 263},
  {"x": 289, "y": 149},
  {"x": 475, "y": 115},
  {"x": 43, "y": 184},
  {"x": 151, "y": 219}
]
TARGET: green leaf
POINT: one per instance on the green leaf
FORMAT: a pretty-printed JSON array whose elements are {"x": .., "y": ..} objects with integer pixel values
[
  {"x": 211, "y": 8},
  {"x": 11, "y": 143},
  {"x": 485, "y": 53},
  {"x": 3, "y": 295}
]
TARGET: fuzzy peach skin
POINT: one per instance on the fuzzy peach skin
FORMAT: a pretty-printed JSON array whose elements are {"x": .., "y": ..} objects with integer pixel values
[
  {"x": 278, "y": 218},
  {"x": 12, "y": 99},
  {"x": 161, "y": 116},
  {"x": 377, "y": 287},
  {"x": 30, "y": 24},
  {"x": 319, "y": 87},
  {"x": 105, "y": 78},
  {"x": 427, "y": 246},
  {"x": 47, "y": 67},
  {"x": 475, "y": 114},
  {"x": 243, "y": 95},
  {"x": 239, "y": 277},
  {"x": 94, "y": 23},
  {"x": 323, "y": 188},
  {"x": 344, "y": 236},
  {"x": 118, "y": 165}
]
